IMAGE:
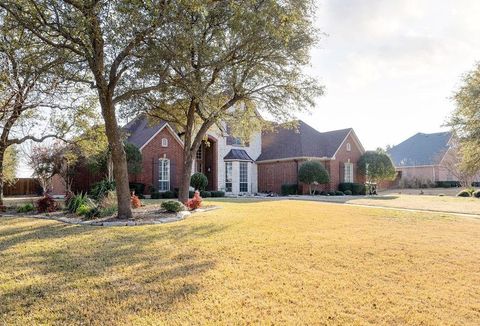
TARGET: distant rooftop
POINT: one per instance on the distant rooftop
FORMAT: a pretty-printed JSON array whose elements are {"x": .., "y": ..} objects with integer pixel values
[{"x": 421, "y": 149}]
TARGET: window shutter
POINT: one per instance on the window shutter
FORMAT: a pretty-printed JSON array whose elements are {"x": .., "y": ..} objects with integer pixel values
[{"x": 173, "y": 179}]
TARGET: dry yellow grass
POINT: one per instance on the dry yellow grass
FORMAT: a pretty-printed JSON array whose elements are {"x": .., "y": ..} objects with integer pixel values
[
  {"x": 282, "y": 262},
  {"x": 469, "y": 205}
]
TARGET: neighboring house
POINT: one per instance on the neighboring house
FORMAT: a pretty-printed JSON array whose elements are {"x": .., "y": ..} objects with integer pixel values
[
  {"x": 285, "y": 149},
  {"x": 422, "y": 157},
  {"x": 228, "y": 164}
]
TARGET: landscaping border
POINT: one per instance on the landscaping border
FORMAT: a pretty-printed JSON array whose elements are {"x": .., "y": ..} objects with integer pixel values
[{"x": 68, "y": 220}]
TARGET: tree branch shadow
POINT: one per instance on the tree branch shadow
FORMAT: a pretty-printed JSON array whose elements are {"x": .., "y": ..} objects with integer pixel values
[{"x": 82, "y": 270}]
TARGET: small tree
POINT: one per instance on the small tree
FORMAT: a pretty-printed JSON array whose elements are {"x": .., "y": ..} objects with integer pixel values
[
  {"x": 313, "y": 173},
  {"x": 199, "y": 181},
  {"x": 376, "y": 166},
  {"x": 43, "y": 161}
]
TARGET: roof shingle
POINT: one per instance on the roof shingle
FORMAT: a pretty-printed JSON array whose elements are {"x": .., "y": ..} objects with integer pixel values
[
  {"x": 237, "y": 155},
  {"x": 139, "y": 131},
  {"x": 304, "y": 141},
  {"x": 421, "y": 149}
]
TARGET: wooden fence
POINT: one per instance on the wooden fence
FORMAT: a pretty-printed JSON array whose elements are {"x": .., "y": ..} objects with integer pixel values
[{"x": 23, "y": 187}]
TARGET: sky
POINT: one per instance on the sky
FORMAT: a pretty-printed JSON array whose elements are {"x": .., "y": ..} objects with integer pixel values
[{"x": 391, "y": 67}]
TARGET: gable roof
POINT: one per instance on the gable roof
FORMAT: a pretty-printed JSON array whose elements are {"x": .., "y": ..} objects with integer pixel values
[
  {"x": 140, "y": 132},
  {"x": 237, "y": 155},
  {"x": 304, "y": 141},
  {"x": 421, "y": 149}
]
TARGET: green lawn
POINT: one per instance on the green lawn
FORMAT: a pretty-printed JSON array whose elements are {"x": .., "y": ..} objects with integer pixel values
[{"x": 282, "y": 262}]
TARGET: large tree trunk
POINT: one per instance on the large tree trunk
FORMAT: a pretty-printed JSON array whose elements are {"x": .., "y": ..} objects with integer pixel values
[
  {"x": 119, "y": 158},
  {"x": 184, "y": 186},
  {"x": 2, "y": 182}
]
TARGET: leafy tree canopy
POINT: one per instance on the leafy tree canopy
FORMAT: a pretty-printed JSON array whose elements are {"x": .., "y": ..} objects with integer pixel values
[
  {"x": 376, "y": 166},
  {"x": 312, "y": 172},
  {"x": 465, "y": 121},
  {"x": 227, "y": 62},
  {"x": 10, "y": 163}
]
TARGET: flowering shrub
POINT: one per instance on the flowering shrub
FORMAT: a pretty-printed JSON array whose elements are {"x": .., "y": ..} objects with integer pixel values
[
  {"x": 195, "y": 202},
  {"x": 46, "y": 204},
  {"x": 136, "y": 203}
]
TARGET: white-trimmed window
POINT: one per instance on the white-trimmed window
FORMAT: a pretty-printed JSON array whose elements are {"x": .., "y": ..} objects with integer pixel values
[
  {"x": 243, "y": 176},
  {"x": 228, "y": 176},
  {"x": 348, "y": 172},
  {"x": 349, "y": 147},
  {"x": 164, "y": 174},
  {"x": 199, "y": 160},
  {"x": 164, "y": 142}
]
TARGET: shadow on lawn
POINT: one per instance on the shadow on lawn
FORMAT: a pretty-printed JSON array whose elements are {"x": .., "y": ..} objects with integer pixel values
[{"x": 82, "y": 273}]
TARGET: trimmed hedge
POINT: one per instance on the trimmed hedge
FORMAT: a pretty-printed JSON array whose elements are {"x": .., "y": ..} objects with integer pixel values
[
  {"x": 347, "y": 192},
  {"x": 156, "y": 195},
  {"x": 476, "y": 194},
  {"x": 289, "y": 189},
  {"x": 339, "y": 193},
  {"x": 138, "y": 187},
  {"x": 174, "y": 194},
  {"x": 217, "y": 193},
  {"x": 163, "y": 195},
  {"x": 168, "y": 194},
  {"x": 355, "y": 188},
  {"x": 447, "y": 184}
]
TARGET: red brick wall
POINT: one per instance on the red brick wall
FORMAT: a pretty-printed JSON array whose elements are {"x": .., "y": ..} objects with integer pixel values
[
  {"x": 151, "y": 153},
  {"x": 272, "y": 175},
  {"x": 343, "y": 156}
]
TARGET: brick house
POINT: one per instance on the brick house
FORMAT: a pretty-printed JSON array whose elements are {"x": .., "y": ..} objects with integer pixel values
[
  {"x": 228, "y": 164},
  {"x": 285, "y": 149},
  {"x": 262, "y": 164}
]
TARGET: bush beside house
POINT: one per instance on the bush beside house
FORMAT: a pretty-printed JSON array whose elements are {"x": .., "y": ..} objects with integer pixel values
[
  {"x": 353, "y": 188},
  {"x": 289, "y": 189},
  {"x": 313, "y": 173}
]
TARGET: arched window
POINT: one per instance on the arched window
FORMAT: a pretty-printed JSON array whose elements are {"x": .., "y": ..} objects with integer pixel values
[
  {"x": 349, "y": 147},
  {"x": 163, "y": 174}
]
